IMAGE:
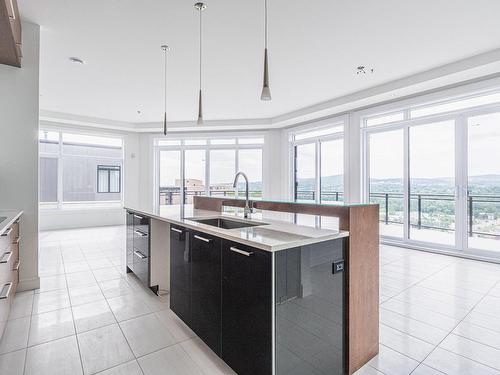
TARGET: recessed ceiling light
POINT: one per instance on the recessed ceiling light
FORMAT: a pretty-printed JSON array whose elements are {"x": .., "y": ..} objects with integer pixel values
[{"x": 76, "y": 60}]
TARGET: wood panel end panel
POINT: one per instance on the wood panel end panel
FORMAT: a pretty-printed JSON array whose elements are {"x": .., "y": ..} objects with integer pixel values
[{"x": 363, "y": 286}]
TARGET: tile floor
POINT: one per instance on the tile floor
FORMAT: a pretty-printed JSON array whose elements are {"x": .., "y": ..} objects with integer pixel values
[{"x": 439, "y": 315}]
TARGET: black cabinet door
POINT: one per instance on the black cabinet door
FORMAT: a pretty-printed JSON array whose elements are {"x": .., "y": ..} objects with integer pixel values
[
  {"x": 247, "y": 309},
  {"x": 206, "y": 289},
  {"x": 130, "y": 241},
  {"x": 180, "y": 273}
]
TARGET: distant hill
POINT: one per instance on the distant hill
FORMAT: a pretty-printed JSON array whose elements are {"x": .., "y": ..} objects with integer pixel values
[{"x": 481, "y": 184}]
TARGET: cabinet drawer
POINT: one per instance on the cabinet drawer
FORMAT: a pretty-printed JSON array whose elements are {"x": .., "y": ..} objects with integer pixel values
[
  {"x": 9, "y": 236},
  {"x": 7, "y": 262},
  {"x": 15, "y": 231},
  {"x": 141, "y": 242},
  {"x": 14, "y": 247},
  {"x": 141, "y": 223},
  {"x": 5, "y": 304}
]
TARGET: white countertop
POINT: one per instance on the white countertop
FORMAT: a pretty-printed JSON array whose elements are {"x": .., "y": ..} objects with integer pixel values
[
  {"x": 279, "y": 230},
  {"x": 10, "y": 216}
]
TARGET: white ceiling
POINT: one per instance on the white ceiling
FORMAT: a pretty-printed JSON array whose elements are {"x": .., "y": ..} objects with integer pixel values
[{"x": 315, "y": 47}]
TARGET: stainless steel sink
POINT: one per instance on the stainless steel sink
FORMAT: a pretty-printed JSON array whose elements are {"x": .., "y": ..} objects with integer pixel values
[{"x": 226, "y": 223}]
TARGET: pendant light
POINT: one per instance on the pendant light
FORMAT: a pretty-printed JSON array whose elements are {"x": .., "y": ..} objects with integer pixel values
[
  {"x": 165, "y": 49},
  {"x": 266, "y": 91},
  {"x": 200, "y": 7}
]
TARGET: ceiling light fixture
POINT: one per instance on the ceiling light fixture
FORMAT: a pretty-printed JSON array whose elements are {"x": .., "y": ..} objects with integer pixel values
[
  {"x": 76, "y": 60},
  {"x": 165, "y": 49},
  {"x": 266, "y": 91},
  {"x": 200, "y": 7},
  {"x": 362, "y": 70}
]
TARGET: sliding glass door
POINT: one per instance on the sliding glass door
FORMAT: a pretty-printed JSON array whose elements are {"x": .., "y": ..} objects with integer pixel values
[
  {"x": 305, "y": 173},
  {"x": 169, "y": 177},
  {"x": 483, "y": 183},
  {"x": 432, "y": 205},
  {"x": 438, "y": 182},
  {"x": 386, "y": 180},
  {"x": 319, "y": 170}
]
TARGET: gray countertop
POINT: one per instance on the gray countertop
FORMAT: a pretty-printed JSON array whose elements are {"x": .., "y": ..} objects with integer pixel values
[
  {"x": 276, "y": 230},
  {"x": 7, "y": 217}
]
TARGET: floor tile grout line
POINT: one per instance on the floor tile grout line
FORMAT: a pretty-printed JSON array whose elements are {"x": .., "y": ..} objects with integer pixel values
[
  {"x": 451, "y": 332},
  {"x": 74, "y": 327},
  {"x": 393, "y": 297},
  {"x": 409, "y": 334},
  {"x": 121, "y": 330},
  {"x": 27, "y": 342}
]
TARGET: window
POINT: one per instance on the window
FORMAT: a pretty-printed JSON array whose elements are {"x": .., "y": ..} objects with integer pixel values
[
  {"x": 194, "y": 167},
  {"x": 108, "y": 179},
  {"x": 319, "y": 164},
  {"x": 455, "y": 105},
  {"x": 222, "y": 171},
  {"x": 435, "y": 174},
  {"x": 48, "y": 179},
  {"x": 79, "y": 169}
]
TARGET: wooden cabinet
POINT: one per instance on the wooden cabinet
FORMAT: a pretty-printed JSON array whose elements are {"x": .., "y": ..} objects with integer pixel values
[
  {"x": 10, "y": 33},
  {"x": 247, "y": 309},
  {"x": 180, "y": 273},
  {"x": 206, "y": 289},
  {"x": 9, "y": 271}
]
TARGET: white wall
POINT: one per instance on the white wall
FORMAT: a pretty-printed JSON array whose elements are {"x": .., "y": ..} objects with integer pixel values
[{"x": 19, "y": 149}]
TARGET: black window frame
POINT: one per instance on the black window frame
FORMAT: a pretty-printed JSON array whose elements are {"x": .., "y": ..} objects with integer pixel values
[{"x": 108, "y": 169}]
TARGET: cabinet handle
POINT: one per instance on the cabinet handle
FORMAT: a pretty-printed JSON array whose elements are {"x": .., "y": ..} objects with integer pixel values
[
  {"x": 138, "y": 217},
  {"x": 7, "y": 232},
  {"x": 140, "y": 255},
  {"x": 176, "y": 230},
  {"x": 242, "y": 252},
  {"x": 16, "y": 267},
  {"x": 7, "y": 294},
  {"x": 6, "y": 255},
  {"x": 202, "y": 238},
  {"x": 16, "y": 241},
  {"x": 140, "y": 233}
]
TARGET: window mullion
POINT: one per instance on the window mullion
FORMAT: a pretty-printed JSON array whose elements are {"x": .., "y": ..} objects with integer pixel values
[{"x": 60, "y": 173}]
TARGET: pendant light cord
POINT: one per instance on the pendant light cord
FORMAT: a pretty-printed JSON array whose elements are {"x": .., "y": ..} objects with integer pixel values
[
  {"x": 165, "y": 91},
  {"x": 265, "y": 12},
  {"x": 201, "y": 10}
]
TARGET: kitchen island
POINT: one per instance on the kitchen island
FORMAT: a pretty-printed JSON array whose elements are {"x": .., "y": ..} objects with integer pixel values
[{"x": 269, "y": 294}]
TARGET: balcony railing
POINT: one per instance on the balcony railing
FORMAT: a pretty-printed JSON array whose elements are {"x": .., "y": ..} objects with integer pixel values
[
  {"x": 326, "y": 196},
  {"x": 417, "y": 211},
  {"x": 169, "y": 197}
]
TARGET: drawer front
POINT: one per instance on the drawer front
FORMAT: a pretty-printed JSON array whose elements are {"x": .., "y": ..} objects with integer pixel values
[
  {"x": 141, "y": 242},
  {"x": 8, "y": 237},
  {"x": 14, "y": 247},
  {"x": 7, "y": 263},
  {"x": 141, "y": 223},
  {"x": 15, "y": 230},
  {"x": 5, "y": 305}
]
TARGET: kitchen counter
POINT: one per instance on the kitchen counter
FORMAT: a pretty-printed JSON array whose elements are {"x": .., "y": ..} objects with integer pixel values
[
  {"x": 7, "y": 218},
  {"x": 275, "y": 230}
]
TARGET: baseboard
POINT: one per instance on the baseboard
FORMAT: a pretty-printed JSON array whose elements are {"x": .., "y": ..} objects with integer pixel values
[{"x": 29, "y": 284}]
